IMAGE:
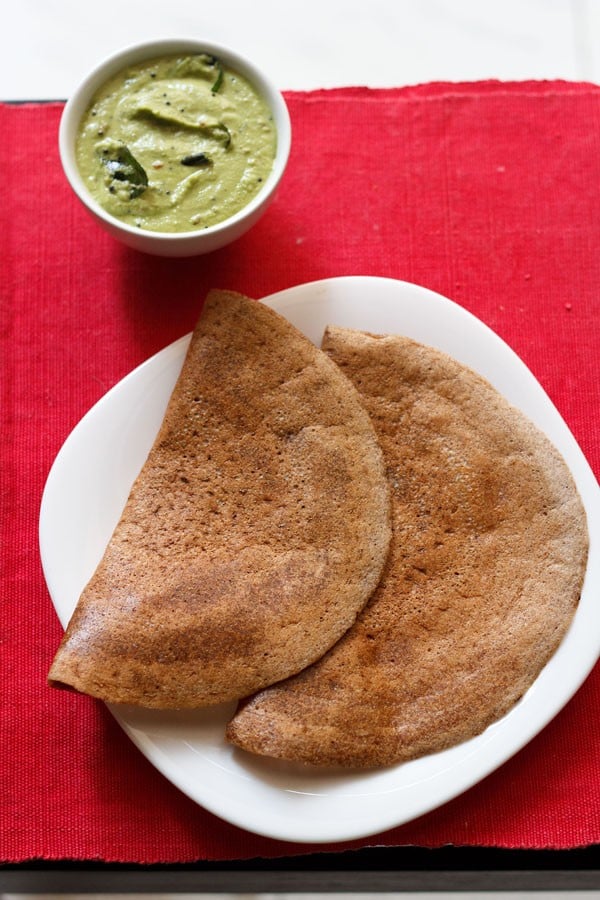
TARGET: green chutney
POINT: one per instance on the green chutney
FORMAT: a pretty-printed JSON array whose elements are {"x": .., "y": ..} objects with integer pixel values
[{"x": 177, "y": 143}]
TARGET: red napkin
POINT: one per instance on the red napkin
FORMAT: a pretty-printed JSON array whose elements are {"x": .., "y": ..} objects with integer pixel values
[{"x": 488, "y": 193}]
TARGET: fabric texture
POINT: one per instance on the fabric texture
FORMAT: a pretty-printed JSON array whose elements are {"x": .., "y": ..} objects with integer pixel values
[{"x": 486, "y": 192}]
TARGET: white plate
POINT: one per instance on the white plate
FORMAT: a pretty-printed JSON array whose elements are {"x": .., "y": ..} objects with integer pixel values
[{"x": 83, "y": 498}]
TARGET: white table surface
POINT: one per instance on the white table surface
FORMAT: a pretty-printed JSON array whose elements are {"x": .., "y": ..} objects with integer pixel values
[{"x": 47, "y": 47}]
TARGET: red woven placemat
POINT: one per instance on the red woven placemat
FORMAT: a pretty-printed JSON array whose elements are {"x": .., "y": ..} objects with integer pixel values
[{"x": 488, "y": 193}]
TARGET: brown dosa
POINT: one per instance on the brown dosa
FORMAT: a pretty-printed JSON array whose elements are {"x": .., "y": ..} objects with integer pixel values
[
  {"x": 254, "y": 534},
  {"x": 485, "y": 570}
]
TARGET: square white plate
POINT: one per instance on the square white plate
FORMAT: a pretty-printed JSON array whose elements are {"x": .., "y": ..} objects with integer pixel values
[{"x": 88, "y": 486}]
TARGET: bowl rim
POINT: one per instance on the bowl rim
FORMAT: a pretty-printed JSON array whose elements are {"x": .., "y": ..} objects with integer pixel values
[{"x": 79, "y": 100}]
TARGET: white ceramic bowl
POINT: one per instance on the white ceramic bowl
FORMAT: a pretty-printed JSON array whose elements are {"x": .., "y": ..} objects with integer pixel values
[{"x": 187, "y": 243}]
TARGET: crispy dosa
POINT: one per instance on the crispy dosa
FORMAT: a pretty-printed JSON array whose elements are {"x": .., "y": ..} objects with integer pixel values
[
  {"x": 255, "y": 533},
  {"x": 484, "y": 574}
]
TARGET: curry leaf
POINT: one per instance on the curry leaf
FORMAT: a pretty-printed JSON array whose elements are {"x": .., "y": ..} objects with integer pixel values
[
  {"x": 122, "y": 166},
  {"x": 215, "y": 87},
  {"x": 202, "y": 65},
  {"x": 196, "y": 159}
]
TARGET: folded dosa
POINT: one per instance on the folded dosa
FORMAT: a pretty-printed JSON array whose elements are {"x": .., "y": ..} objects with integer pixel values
[
  {"x": 256, "y": 531},
  {"x": 484, "y": 574}
]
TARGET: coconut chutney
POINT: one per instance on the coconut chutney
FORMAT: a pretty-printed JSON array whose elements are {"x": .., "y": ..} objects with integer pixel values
[{"x": 177, "y": 143}]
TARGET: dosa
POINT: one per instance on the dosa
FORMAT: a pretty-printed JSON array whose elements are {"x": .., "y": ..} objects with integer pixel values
[
  {"x": 254, "y": 534},
  {"x": 484, "y": 575}
]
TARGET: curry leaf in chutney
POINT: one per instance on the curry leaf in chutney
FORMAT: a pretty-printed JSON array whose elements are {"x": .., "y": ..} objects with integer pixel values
[
  {"x": 215, "y": 87},
  {"x": 122, "y": 166},
  {"x": 196, "y": 159},
  {"x": 202, "y": 65}
]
